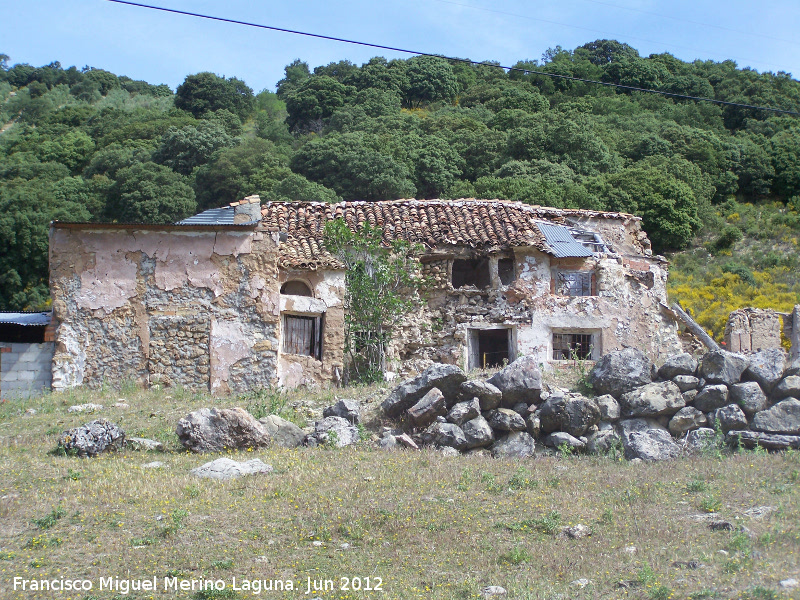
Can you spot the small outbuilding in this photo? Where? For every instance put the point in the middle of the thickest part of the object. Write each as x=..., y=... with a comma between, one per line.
x=26, y=353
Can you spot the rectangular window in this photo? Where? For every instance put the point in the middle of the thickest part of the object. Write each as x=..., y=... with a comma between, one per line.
x=302, y=335
x=569, y=346
x=574, y=283
x=505, y=270
x=473, y=271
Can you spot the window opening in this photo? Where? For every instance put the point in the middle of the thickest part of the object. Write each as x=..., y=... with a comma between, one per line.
x=472, y=271
x=489, y=348
x=505, y=271
x=295, y=288
x=574, y=283
x=302, y=335
x=568, y=346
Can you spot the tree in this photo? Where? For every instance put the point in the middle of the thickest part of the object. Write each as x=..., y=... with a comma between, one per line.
x=150, y=193
x=430, y=79
x=296, y=73
x=296, y=187
x=184, y=149
x=381, y=285
x=206, y=91
x=314, y=100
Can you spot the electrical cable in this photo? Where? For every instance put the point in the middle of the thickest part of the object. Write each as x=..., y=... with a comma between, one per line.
x=462, y=60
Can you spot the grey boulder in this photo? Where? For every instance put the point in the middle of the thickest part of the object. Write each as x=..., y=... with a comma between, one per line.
x=789, y=387
x=721, y=366
x=650, y=445
x=679, y=364
x=487, y=394
x=337, y=431
x=711, y=397
x=347, y=409
x=602, y=442
x=144, y=444
x=766, y=368
x=284, y=433
x=729, y=418
x=444, y=434
x=621, y=371
x=572, y=414
x=561, y=439
x=505, y=419
x=609, y=407
x=430, y=406
x=464, y=411
x=686, y=382
x=226, y=468
x=770, y=441
x=517, y=444
x=685, y=420
x=784, y=418
x=699, y=440
x=448, y=378
x=652, y=400
x=477, y=433
x=92, y=438
x=749, y=396
x=215, y=430
x=521, y=381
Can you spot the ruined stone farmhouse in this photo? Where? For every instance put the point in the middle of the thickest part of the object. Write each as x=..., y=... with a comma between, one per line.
x=246, y=295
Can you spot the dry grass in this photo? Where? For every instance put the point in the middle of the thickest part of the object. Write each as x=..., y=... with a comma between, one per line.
x=431, y=527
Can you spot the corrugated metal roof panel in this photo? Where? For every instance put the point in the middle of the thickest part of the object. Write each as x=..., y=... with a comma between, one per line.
x=25, y=318
x=213, y=216
x=561, y=241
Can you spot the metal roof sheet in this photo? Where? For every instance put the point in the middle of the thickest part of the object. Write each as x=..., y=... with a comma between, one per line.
x=561, y=241
x=213, y=216
x=25, y=319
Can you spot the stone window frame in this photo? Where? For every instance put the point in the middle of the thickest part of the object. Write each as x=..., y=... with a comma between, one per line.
x=560, y=335
x=307, y=324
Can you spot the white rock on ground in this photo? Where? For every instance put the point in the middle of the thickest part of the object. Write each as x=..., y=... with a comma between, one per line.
x=226, y=468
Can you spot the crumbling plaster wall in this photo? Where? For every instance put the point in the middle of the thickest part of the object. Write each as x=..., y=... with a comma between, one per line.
x=173, y=307
x=627, y=309
x=327, y=288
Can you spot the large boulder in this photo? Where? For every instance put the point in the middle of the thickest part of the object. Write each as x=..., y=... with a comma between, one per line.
x=685, y=420
x=444, y=434
x=650, y=445
x=226, y=468
x=602, y=442
x=561, y=439
x=609, y=407
x=215, y=430
x=789, y=387
x=766, y=368
x=697, y=441
x=336, y=431
x=430, y=406
x=92, y=438
x=517, y=444
x=521, y=381
x=448, y=378
x=505, y=419
x=347, y=409
x=652, y=400
x=686, y=383
x=621, y=371
x=770, y=441
x=749, y=396
x=679, y=364
x=784, y=418
x=729, y=418
x=721, y=366
x=464, y=411
x=477, y=433
x=284, y=433
x=487, y=394
x=571, y=414
x=711, y=397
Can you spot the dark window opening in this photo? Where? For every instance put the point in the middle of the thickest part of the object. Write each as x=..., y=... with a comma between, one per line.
x=303, y=336
x=572, y=346
x=490, y=348
x=21, y=334
x=574, y=283
x=505, y=271
x=295, y=288
x=473, y=271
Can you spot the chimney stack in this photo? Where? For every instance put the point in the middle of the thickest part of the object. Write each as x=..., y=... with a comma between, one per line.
x=247, y=210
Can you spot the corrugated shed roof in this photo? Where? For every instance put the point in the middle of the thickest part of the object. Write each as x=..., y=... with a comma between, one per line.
x=213, y=216
x=561, y=242
x=26, y=319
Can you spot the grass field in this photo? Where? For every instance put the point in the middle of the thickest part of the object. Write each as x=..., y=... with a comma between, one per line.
x=422, y=524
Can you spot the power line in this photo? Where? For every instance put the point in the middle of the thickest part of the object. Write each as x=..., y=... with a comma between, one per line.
x=600, y=31
x=463, y=60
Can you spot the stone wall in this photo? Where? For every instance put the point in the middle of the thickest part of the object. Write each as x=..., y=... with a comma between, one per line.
x=753, y=329
x=24, y=369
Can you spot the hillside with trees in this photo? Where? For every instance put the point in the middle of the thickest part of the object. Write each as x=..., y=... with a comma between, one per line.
x=717, y=187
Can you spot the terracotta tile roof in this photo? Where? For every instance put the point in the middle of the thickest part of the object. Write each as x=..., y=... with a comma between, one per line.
x=485, y=224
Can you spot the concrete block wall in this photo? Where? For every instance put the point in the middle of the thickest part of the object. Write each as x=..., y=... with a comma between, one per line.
x=25, y=369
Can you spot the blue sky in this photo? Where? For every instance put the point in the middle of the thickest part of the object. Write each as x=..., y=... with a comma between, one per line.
x=164, y=48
